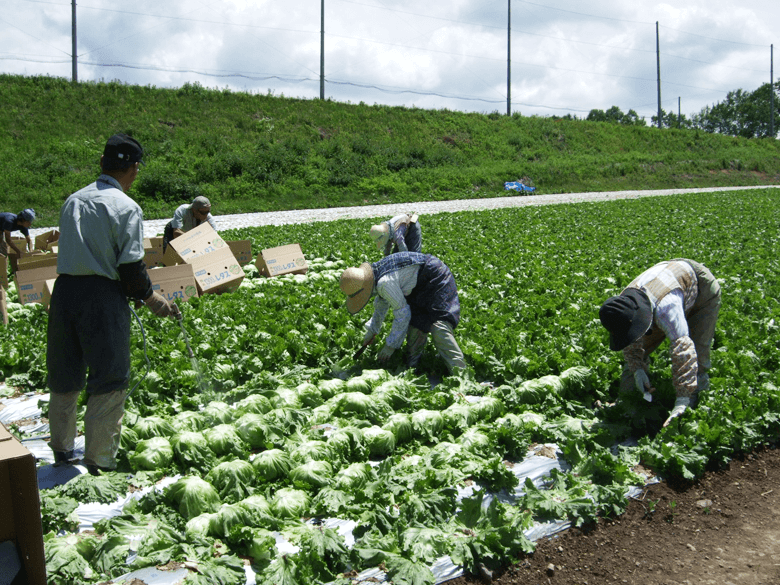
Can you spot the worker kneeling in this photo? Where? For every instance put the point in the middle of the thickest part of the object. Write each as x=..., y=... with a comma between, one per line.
x=422, y=292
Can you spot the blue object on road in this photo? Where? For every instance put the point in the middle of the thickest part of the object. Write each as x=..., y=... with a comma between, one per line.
x=517, y=186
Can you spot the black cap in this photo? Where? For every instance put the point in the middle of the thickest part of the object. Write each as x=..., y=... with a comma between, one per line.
x=121, y=152
x=627, y=317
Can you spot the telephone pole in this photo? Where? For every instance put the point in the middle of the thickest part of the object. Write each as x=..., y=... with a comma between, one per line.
x=322, y=49
x=658, y=62
x=508, y=57
x=74, y=57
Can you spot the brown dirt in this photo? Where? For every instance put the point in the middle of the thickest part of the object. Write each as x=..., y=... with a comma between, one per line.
x=723, y=529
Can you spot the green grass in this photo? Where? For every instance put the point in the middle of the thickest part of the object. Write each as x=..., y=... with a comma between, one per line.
x=252, y=153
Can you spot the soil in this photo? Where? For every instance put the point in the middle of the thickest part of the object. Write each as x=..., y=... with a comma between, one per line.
x=723, y=529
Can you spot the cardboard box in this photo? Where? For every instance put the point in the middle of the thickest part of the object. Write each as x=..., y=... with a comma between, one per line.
x=171, y=257
x=242, y=250
x=155, y=242
x=30, y=283
x=153, y=252
x=20, y=507
x=37, y=259
x=45, y=240
x=153, y=257
x=217, y=272
x=196, y=242
x=175, y=283
x=20, y=243
x=48, y=288
x=282, y=260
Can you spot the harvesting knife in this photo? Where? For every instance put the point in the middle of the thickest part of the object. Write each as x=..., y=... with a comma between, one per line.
x=363, y=347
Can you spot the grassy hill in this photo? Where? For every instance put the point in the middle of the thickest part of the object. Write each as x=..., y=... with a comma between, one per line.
x=264, y=153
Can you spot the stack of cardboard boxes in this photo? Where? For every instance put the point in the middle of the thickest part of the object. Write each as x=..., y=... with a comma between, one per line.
x=35, y=269
x=197, y=262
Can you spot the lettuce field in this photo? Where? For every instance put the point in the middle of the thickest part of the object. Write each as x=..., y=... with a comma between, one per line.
x=274, y=431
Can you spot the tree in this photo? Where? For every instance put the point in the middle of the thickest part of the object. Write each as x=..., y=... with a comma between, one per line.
x=742, y=113
x=672, y=120
x=616, y=116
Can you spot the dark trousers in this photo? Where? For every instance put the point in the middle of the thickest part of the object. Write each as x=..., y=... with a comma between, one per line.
x=167, y=235
x=88, y=335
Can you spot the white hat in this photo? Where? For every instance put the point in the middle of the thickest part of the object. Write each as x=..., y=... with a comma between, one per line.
x=379, y=234
x=357, y=284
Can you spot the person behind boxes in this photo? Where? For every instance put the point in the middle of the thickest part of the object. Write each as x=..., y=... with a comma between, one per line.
x=678, y=299
x=422, y=292
x=401, y=233
x=187, y=217
x=100, y=265
x=10, y=222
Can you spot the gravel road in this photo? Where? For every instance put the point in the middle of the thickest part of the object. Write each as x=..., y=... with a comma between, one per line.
x=153, y=227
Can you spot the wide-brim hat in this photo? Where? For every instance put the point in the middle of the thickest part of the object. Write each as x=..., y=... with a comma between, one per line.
x=357, y=284
x=379, y=234
x=627, y=317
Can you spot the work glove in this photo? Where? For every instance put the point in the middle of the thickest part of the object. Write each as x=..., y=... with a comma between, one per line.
x=385, y=353
x=680, y=405
x=643, y=385
x=159, y=306
x=368, y=337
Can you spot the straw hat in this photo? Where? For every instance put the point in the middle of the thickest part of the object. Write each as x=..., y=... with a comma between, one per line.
x=379, y=234
x=357, y=284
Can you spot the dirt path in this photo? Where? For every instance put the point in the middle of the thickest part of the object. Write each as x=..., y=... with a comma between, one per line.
x=722, y=530
x=242, y=220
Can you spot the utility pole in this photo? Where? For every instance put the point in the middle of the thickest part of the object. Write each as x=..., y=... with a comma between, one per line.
x=322, y=49
x=658, y=62
x=508, y=57
x=74, y=57
x=679, y=115
x=772, y=91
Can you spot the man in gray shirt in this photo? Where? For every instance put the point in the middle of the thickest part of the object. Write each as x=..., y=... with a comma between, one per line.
x=100, y=266
x=186, y=217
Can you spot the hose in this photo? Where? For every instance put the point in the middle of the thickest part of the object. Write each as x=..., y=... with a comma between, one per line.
x=146, y=355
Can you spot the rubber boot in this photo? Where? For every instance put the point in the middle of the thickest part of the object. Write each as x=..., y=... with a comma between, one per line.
x=63, y=458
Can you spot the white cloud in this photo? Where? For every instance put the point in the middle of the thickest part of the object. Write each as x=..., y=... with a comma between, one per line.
x=566, y=56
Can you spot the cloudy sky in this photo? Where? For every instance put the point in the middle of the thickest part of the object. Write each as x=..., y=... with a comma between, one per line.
x=566, y=56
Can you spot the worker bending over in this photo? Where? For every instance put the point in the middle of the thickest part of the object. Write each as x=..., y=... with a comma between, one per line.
x=401, y=233
x=678, y=299
x=187, y=217
x=421, y=291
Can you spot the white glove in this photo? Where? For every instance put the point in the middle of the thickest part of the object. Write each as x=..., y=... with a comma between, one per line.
x=385, y=353
x=643, y=384
x=368, y=337
x=680, y=405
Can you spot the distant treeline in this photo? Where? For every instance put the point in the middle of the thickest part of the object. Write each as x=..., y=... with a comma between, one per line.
x=743, y=113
